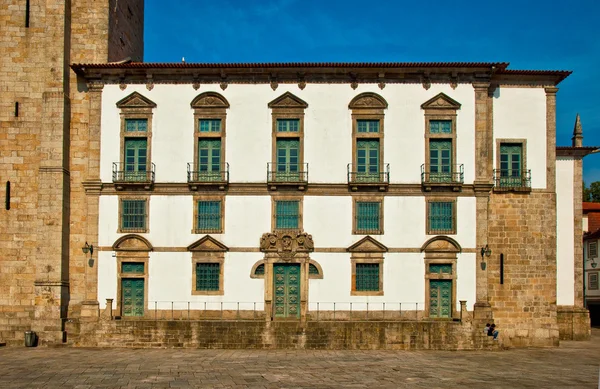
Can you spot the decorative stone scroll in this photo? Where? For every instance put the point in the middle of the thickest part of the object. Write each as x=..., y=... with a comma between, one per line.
x=286, y=244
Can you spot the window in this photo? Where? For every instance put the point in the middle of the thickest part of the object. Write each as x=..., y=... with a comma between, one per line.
x=368, y=217
x=593, y=280
x=133, y=215
x=440, y=167
x=132, y=267
x=209, y=166
x=207, y=276
x=314, y=270
x=440, y=217
x=287, y=215
x=287, y=164
x=135, y=167
x=367, y=277
x=367, y=165
x=208, y=216
x=511, y=161
x=593, y=250
x=260, y=270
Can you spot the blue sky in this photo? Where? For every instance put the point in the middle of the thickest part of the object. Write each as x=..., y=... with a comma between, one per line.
x=530, y=34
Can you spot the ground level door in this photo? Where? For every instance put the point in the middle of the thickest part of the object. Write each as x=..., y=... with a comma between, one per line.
x=132, y=290
x=286, y=286
x=440, y=298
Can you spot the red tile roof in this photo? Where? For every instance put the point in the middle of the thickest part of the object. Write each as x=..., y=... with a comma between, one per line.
x=589, y=206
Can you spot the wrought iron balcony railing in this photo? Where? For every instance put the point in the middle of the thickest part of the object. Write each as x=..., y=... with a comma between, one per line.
x=356, y=175
x=131, y=174
x=291, y=173
x=512, y=179
x=452, y=177
x=201, y=174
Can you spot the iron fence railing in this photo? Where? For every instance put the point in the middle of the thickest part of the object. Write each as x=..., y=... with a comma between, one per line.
x=455, y=175
x=356, y=175
x=512, y=179
x=123, y=172
x=201, y=174
x=287, y=172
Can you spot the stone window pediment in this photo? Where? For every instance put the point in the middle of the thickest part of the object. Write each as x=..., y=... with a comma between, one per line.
x=288, y=100
x=132, y=242
x=368, y=100
x=207, y=244
x=367, y=245
x=441, y=101
x=136, y=100
x=209, y=100
x=441, y=244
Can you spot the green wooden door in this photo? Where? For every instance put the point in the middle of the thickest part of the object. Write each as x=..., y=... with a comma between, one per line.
x=367, y=161
x=209, y=160
x=136, y=159
x=511, y=155
x=286, y=285
x=440, y=298
x=132, y=290
x=288, y=162
x=440, y=160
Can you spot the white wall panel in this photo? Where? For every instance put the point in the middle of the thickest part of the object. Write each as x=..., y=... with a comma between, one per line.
x=565, y=234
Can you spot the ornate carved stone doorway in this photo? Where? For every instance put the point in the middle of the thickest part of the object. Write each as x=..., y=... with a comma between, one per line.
x=286, y=273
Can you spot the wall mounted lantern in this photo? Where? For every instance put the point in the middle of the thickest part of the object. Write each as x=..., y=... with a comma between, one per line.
x=485, y=251
x=89, y=248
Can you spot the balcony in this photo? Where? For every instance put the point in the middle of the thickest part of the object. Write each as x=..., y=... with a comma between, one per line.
x=129, y=176
x=368, y=179
x=453, y=179
x=288, y=174
x=204, y=178
x=512, y=180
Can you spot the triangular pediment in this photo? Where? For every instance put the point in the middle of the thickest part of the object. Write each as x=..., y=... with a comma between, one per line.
x=441, y=101
x=367, y=245
x=288, y=100
x=207, y=243
x=132, y=242
x=442, y=244
x=368, y=100
x=210, y=100
x=136, y=100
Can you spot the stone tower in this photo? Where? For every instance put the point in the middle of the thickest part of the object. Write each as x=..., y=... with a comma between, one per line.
x=44, y=150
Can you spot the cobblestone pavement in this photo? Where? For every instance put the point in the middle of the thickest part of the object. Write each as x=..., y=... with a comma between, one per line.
x=572, y=365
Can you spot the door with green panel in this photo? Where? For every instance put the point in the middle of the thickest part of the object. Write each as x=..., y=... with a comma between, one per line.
x=286, y=290
x=132, y=290
x=511, y=156
x=440, y=298
x=288, y=160
x=136, y=159
x=367, y=161
x=209, y=160
x=440, y=160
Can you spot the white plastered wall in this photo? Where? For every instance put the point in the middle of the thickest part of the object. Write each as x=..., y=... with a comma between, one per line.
x=565, y=235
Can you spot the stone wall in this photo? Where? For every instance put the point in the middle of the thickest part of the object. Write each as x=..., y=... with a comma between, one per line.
x=392, y=335
x=126, y=30
x=573, y=323
x=522, y=227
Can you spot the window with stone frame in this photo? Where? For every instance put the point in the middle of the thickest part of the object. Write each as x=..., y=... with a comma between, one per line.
x=133, y=215
x=593, y=250
x=441, y=217
x=208, y=259
x=511, y=171
x=366, y=259
x=208, y=276
x=593, y=280
x=368, y=216
x=287, y=214
x=208, y=216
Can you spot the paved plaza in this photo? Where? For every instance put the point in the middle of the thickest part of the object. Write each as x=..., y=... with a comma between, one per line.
x=573, y=365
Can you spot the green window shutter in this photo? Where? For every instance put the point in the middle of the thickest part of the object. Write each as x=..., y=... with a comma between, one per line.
x=287, y=214
x=209, y=159
x=260, y=270
x=288, y=125
x=440, y=126
x=367, y=277
x=207, y=276
x=441, y=220
x=367, y=125
x=440, y=160
x=136, y=125
x=209, y=216
x=133, y=214
x=511, y=156
x=132, y=267
x=440, y=268
x=288, y=162
x=367, y=160
x=136, y=158
x=368, y=217
x=210, y=125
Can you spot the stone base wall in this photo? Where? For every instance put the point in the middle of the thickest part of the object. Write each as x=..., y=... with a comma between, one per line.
x=573, y=323
x=14, y=321
x=240, y=334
